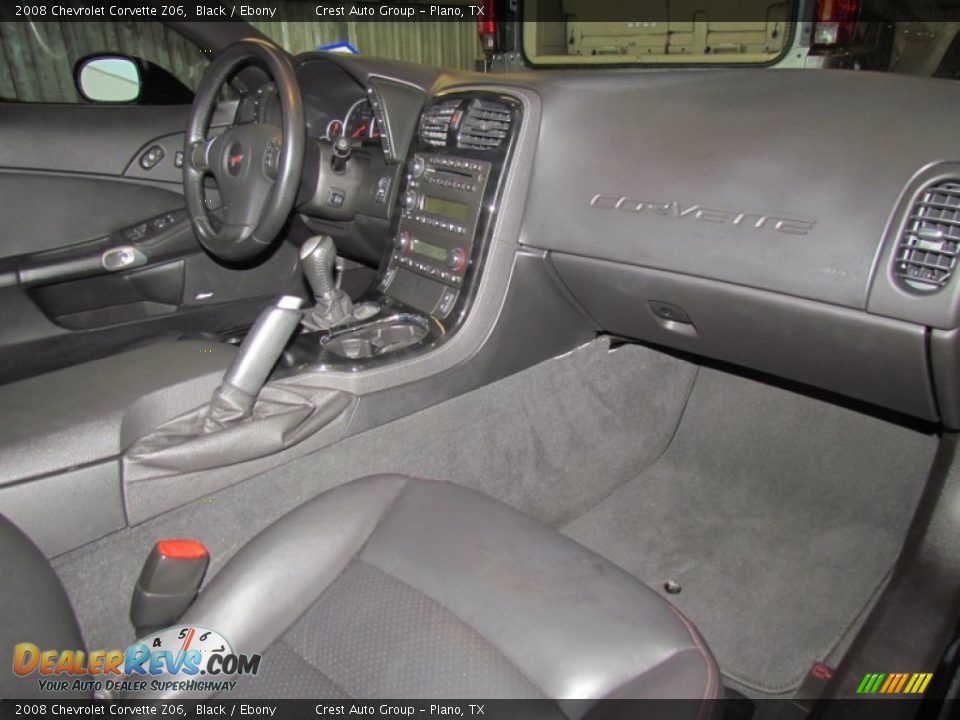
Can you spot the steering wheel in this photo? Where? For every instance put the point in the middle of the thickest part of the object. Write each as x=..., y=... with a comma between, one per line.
x=257, y=167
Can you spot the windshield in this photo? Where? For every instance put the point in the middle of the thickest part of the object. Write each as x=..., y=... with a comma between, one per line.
x=598, y=32
x=903, y=36
x=880, y=35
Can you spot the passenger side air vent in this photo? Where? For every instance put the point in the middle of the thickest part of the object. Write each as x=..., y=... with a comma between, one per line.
x=485, y=125
x=435, y=123
x=928, y=248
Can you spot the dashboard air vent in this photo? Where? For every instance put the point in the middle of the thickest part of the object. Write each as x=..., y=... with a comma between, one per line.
x=928, y=248
x=435, y=122
x=485, y=125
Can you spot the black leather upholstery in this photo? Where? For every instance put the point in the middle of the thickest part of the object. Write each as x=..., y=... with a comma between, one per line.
x=34, y=608
x=396, y=587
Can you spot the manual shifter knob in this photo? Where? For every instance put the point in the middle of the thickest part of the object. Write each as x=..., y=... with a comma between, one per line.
x=333, y=306
x=319, y=257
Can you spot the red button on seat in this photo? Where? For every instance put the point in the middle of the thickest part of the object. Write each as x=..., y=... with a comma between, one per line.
x=182, y=549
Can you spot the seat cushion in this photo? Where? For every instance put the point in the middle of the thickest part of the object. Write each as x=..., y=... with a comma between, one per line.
x=34, y=608
x=391, y=586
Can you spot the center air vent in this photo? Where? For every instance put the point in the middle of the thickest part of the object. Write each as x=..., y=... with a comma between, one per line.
x=435, y=122
x=485, y=125
x=928, y=248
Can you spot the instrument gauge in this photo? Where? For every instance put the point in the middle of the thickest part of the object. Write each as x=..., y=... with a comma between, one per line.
x=334, y=128
x=360, y=123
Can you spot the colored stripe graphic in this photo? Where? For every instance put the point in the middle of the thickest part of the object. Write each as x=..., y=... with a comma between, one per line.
x=870, y=683
x=903, y=681
x=892, y=680
x=894, y=683
x=918, y=683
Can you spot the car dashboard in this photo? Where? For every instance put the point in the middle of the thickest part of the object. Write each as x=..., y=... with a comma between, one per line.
x=788, y=222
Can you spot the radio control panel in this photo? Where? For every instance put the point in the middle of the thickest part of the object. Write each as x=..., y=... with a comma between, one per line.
x=441, y=229
x=440, y=210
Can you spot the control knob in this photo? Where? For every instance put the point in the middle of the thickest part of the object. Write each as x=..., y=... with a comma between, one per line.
x=456, y=259
x=402, y=241
x=417, y=166
x=409, y=200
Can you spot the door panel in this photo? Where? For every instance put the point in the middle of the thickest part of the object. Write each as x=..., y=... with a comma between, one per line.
x=43, y=211
x=95, y=139
x=73, y=194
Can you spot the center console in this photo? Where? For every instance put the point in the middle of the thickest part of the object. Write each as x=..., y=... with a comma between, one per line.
x=437, y=231
x=447, y=204
x=440, y=233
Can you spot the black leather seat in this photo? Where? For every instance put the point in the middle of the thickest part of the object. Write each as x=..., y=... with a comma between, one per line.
x=396, y=587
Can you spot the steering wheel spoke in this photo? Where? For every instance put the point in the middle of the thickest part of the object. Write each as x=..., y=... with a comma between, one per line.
x=245, y=202
x=200, y=154
x=218, y=217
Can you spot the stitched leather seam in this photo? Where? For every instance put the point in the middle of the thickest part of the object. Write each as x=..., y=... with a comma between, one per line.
x=710, y=692
x=386, y=511
x=432, y=599
x=356, y=556
x=279, y=636
x=652, y=668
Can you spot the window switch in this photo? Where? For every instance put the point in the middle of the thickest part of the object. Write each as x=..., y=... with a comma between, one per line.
x=151, y=157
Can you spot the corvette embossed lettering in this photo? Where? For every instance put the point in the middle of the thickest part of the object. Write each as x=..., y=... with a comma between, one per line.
x=755, y=220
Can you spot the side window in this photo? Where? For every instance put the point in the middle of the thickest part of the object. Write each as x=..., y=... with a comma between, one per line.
x=37, y=59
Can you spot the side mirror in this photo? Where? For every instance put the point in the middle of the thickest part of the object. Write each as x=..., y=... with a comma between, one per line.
x=108, y=79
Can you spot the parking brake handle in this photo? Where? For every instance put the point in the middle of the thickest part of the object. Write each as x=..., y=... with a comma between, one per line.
x=261, y=349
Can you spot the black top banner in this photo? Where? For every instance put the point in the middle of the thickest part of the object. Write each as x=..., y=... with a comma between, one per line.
x=258, y=10
x=626, y=11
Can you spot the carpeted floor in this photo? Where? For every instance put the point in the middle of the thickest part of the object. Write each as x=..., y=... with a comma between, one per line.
x=778, y=514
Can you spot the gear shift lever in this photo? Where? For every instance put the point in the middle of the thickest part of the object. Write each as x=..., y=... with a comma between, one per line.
x=333, y=306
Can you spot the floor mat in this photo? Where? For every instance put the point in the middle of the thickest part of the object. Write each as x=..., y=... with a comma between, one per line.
x=778, y=515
